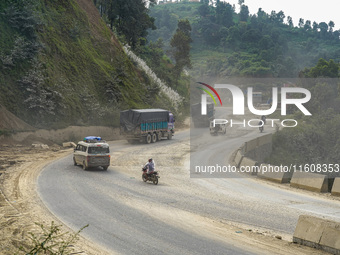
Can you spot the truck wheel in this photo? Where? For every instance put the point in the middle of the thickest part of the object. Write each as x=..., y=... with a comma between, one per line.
x=159, y=136
x=148, y=139
x=154, y=138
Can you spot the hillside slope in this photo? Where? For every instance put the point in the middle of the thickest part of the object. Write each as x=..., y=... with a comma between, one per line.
x=9, y=121
x=61, y=65
x=227, y=43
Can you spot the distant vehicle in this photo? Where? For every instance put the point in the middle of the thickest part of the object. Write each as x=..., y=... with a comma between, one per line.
x=261, y=128
x=147, y=125
x=218, y=128
x=92, y=152
x=200, y=120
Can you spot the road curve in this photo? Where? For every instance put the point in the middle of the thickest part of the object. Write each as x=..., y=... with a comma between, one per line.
x=181, y=215
x=126, y=215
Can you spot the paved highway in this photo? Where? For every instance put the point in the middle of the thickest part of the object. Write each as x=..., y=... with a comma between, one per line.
x=181, y=215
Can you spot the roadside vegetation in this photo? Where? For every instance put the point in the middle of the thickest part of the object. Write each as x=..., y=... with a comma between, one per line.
x=131, y=21
x=51, y=240
x=230, y=43
x=316, y=139
x=61, y=65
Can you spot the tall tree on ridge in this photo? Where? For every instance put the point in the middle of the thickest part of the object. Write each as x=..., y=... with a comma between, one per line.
x=180, y=42
x=129, y=17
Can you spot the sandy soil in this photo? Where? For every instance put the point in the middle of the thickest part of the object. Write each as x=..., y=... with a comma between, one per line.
x=20, y=206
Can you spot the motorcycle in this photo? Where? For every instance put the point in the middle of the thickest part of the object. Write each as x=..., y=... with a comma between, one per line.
x=152, y=177
x=261, y=124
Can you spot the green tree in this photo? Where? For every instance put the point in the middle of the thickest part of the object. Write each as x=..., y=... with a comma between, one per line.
x=290, y=21
x=129, y=17
x=331, y=26
x=208, y=32
x=203, y=10
x=180, y=42
x=301, y=22
x=307, y=25
x=244, y=13
x=323, y=29
x=224, y=14
x=280, y=16
x=261, y=14
x=323, y=68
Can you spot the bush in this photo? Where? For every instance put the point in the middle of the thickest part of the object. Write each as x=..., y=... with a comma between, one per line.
x=52, y=241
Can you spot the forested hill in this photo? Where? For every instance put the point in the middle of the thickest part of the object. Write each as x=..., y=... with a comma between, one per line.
x=61, y=65
x=227, y=43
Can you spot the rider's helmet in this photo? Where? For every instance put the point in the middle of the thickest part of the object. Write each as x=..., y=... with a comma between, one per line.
x=150, y=159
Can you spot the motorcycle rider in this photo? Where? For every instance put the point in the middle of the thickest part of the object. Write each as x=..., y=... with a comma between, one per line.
x=150, y=166
x=261, y=124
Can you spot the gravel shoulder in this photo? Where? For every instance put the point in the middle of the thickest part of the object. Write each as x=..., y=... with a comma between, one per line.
x=20, y=206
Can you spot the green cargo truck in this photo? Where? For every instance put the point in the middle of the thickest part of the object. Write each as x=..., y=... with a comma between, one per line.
x=146, y=125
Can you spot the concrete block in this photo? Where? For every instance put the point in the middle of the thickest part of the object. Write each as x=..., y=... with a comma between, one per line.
x=266, y=139
x=331, y=236
x=336, y=187
x=318, y=233
x=249, y=166
x=238, y=158
x=310, y=181
x=250, y=145
x=274, y=173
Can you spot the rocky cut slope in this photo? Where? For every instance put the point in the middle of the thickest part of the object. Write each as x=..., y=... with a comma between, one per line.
x=61, y=65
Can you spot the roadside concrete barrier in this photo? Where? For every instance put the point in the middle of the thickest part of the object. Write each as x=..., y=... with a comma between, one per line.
x=238, y=158
x=318, y=233
x=259, y=148
x=252, y=152
x=265, y=139
x=310, y=181
x=274, y=173
x=251, y=145
x=249, y=166
x=336, y=188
